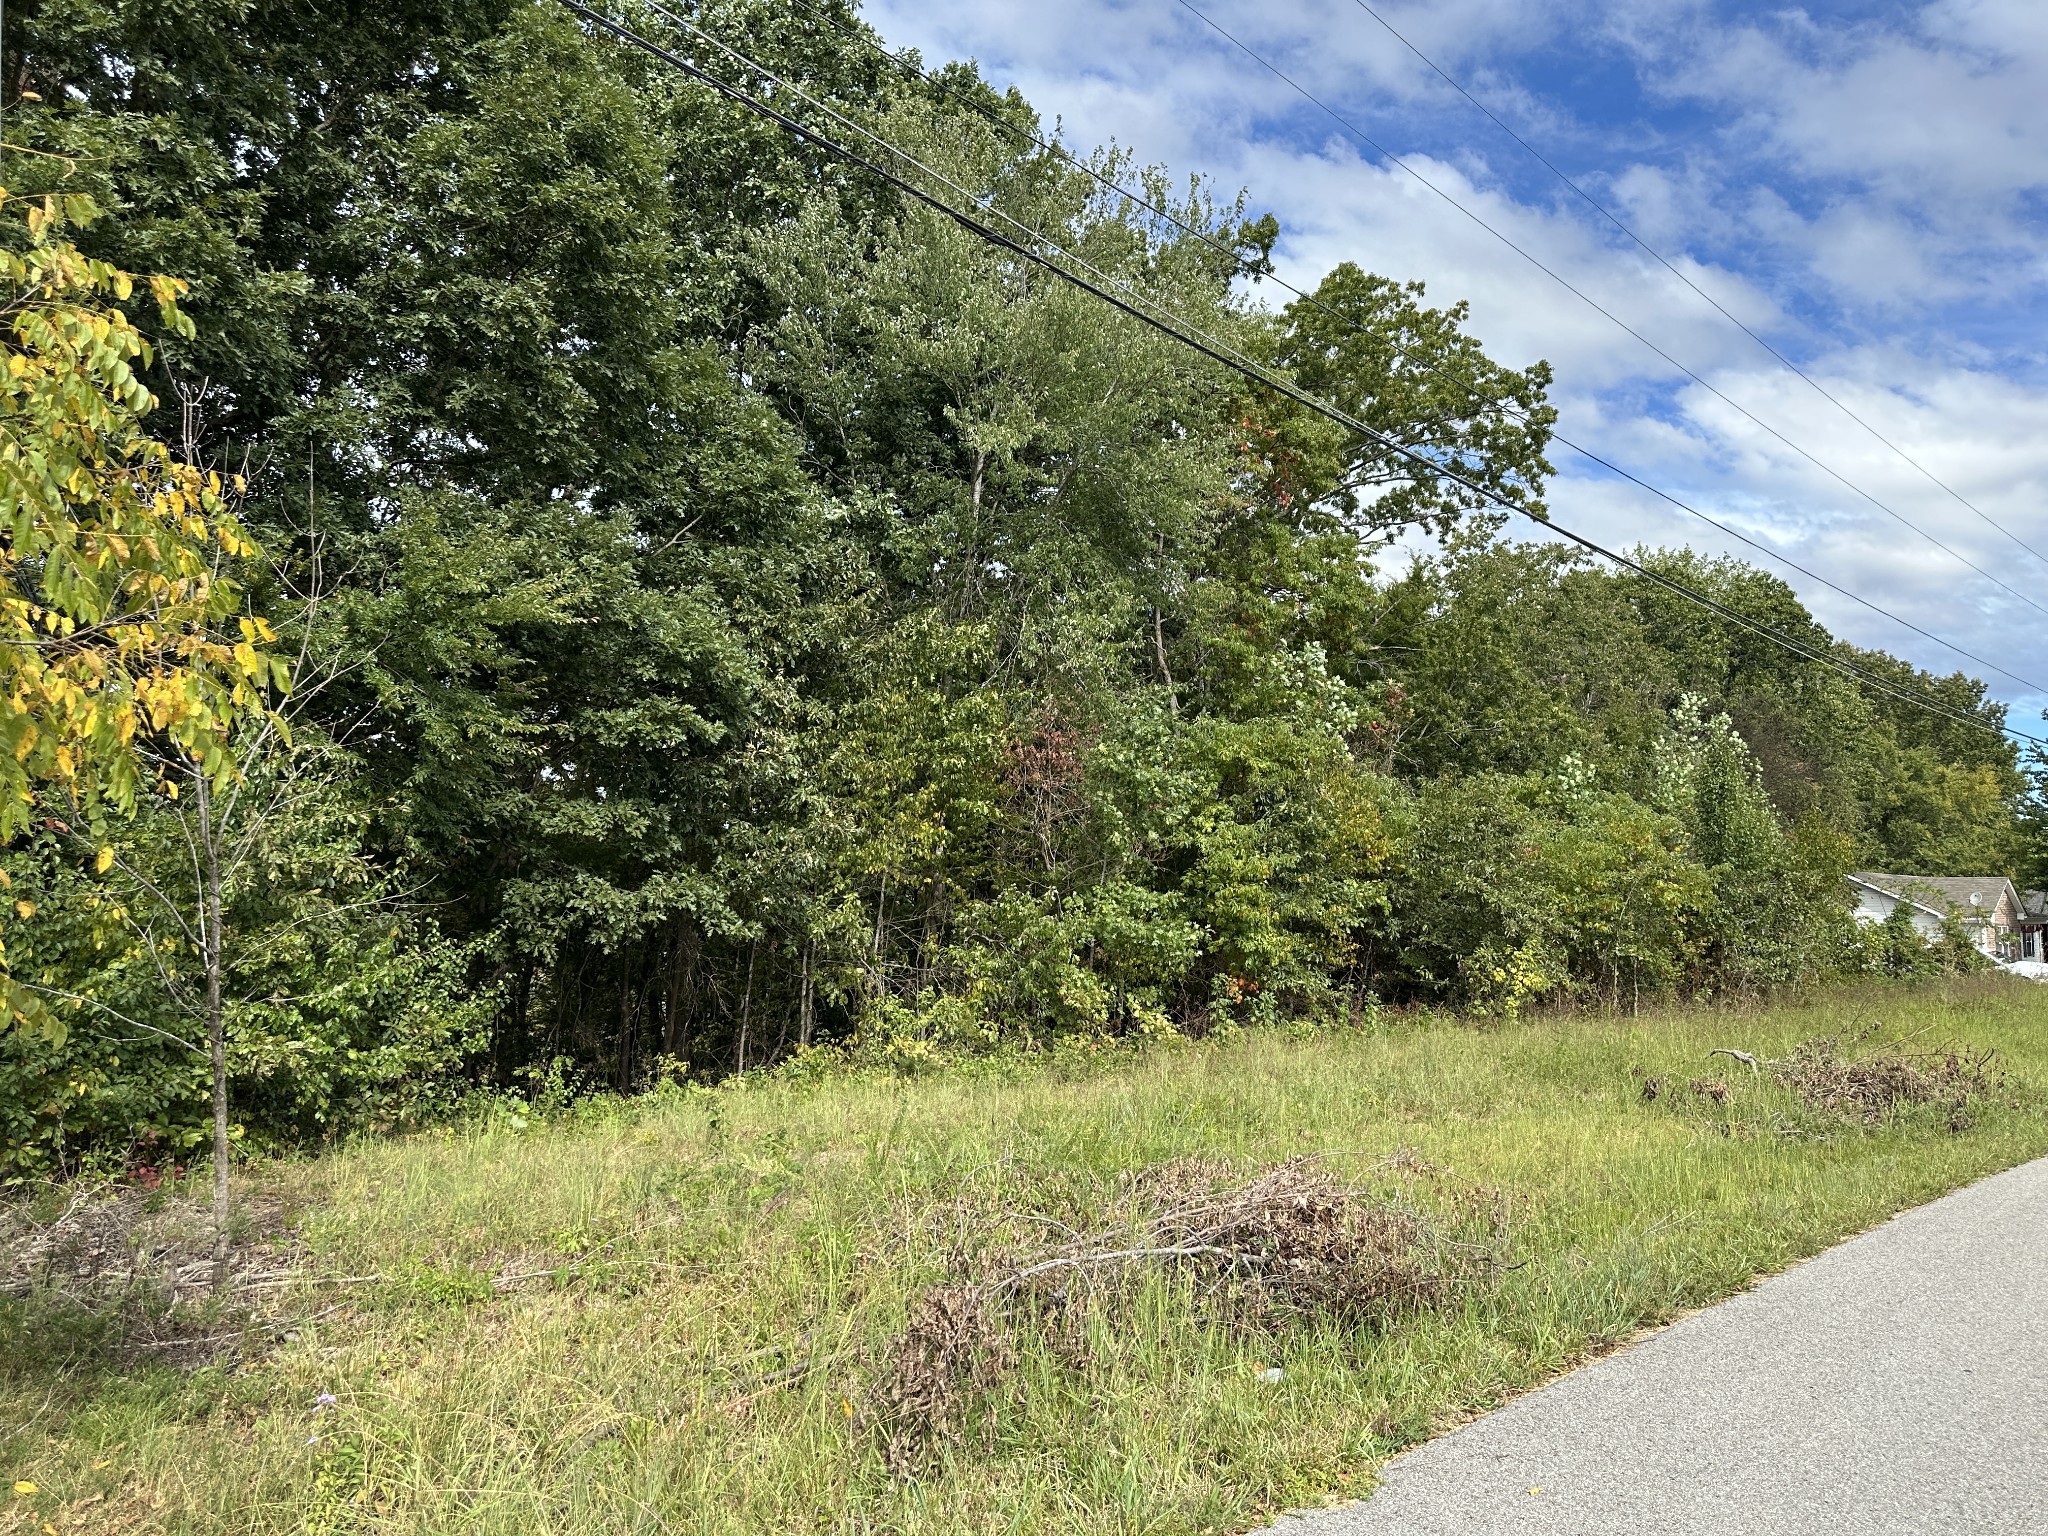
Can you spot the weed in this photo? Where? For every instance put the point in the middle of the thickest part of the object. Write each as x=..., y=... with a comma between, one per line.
x=438, y=1285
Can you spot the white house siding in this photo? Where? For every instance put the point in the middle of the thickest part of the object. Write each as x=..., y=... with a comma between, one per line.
x=1988, y=905
x=1874, y=906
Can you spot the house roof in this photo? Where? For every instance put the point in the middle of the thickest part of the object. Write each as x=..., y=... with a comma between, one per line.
x=1941, y=894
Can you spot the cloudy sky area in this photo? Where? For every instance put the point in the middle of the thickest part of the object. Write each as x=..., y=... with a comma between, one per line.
x=1863, y=184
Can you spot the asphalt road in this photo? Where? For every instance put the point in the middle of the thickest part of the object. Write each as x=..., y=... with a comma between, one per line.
x=1894, y=1385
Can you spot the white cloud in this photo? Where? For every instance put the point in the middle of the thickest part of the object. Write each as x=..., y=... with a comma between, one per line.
x=1949, y=107
x=1863, y=194
x=1921, y=142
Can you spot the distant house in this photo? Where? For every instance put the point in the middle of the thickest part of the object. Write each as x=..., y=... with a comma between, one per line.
x=1992, y=911
x=2034, y=925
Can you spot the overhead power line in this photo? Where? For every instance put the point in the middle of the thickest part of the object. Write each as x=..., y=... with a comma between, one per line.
x=1169, y=324
x=1140, y=199
x=1594, y=304
x=1180, y=329
x=1658, y=256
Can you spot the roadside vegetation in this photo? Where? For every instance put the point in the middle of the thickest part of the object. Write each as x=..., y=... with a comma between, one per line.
x=720, y=608
x=843, y=1299
x=783, y=878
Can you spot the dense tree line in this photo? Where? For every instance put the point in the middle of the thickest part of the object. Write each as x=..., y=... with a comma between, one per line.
x=748, y=612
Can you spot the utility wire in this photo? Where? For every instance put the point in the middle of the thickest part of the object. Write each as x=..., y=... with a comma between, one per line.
x=1054, y=147
x=1658, y=256
x=1393, y=159
x=1217, y=351
x=1179, y=329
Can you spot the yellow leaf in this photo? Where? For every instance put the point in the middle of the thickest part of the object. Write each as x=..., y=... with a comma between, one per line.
x=105, y=861
x=25, y=910
x=24, y=1488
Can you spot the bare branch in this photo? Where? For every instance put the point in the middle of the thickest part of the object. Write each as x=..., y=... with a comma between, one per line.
x=1069, y=1261
x=156, y=894
x=115, y=1013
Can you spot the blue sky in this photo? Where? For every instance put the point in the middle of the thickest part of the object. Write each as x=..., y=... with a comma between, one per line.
x=1864, y=184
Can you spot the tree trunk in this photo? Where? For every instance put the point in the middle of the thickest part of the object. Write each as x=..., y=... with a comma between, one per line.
x=747, y=1002
x=1159, y=641
x=680, y=1001
x=806, y=999
x=216, y=1029
x=628, y=1032
x=934, y=930
x=1159, y=652
x=516, y=1049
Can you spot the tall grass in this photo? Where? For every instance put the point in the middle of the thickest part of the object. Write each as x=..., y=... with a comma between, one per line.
x=719, y=1276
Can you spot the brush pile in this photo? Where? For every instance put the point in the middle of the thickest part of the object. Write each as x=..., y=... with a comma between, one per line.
x=1294, y=1243
x=106, y=1243
x=142, y=1264
x=1289, y=1246
x=1873, y=1087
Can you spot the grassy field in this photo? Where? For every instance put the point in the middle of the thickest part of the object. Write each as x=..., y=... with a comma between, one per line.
x=678, y=1314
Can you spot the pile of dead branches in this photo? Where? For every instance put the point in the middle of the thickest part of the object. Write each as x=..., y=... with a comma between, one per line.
x=108, y=1240
x=955, y=1349
x=1290, y=1245
x=1293, y=1243
x=1876, y=1085
x=144, y=1264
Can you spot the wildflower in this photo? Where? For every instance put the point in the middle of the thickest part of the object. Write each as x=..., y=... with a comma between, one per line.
x=324, y=1400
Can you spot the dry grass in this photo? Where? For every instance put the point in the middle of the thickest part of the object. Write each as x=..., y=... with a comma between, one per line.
x=1164, y=1292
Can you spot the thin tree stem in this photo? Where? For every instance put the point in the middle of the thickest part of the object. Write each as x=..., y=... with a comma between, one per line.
x=747, y=1004
x=805, y=1000
x=216, y=1031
